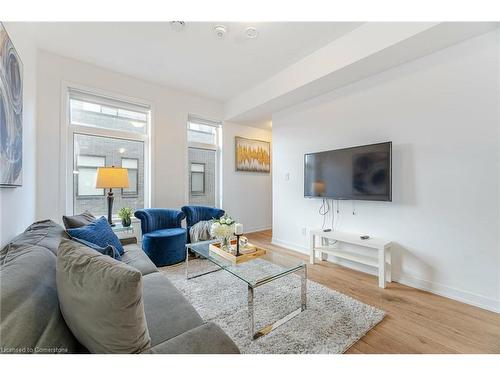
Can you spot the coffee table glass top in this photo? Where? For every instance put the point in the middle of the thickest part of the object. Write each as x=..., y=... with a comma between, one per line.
x=255, y=271
x=118, y=227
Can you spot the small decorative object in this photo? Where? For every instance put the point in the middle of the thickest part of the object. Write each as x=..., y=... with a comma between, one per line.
x=223, y=230
x=252, y=155
x=11, y=113
x=238, y=231
x=243, y=242
x=109, y=178
x=125, y=213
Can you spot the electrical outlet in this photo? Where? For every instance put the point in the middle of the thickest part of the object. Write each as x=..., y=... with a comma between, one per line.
x=304, y=231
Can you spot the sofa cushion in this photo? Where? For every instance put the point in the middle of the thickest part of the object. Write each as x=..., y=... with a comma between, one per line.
x=134, y=256
x=168, y=313
x=98, y=232
x=205, y=339
x=77, y=221
x=101, y=300
x=45, y=233
x=30, y=318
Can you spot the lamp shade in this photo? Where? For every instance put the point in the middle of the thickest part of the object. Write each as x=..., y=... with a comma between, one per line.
x=111, y=177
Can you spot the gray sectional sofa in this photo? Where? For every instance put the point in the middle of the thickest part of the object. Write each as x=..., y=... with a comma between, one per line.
x=31, y=321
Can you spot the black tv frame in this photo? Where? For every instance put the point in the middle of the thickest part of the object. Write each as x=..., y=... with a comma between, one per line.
x=353, y=198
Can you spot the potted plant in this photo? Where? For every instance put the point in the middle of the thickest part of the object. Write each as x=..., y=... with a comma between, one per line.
x=125, y=213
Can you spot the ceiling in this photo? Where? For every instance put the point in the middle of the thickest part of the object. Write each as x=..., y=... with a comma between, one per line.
x=192, y=59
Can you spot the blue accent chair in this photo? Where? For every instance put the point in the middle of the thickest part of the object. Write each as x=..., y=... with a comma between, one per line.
x=163, y=238
x=195, y=214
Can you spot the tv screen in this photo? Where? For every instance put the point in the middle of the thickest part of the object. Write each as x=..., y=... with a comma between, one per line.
x=356, y=173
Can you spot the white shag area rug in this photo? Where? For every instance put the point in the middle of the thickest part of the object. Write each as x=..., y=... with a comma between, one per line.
x=331, y=323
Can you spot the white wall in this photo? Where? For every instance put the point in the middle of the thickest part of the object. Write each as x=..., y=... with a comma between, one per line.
x=247, y=196
x=169, y=140
x=442, y=114
x=17, y=205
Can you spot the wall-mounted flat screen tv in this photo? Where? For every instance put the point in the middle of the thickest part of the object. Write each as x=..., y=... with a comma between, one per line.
x=355, y=173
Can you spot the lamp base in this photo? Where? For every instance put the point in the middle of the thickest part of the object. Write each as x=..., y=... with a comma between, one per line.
x=110, y=207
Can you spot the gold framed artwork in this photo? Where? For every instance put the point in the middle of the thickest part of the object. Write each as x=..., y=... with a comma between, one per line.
x=252, y=155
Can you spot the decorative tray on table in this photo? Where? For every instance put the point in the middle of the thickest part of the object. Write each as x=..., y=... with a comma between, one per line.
x=247, y=252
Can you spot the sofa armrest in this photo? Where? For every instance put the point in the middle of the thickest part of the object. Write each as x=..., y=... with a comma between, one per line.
x=205, y=339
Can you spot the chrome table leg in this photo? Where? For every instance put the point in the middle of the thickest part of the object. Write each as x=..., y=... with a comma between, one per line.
x=303, y=289
x=303, y=305
x=251, y=320
x=187, y=261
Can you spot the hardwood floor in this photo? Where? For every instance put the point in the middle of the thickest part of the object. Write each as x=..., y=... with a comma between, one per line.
x=416, y=321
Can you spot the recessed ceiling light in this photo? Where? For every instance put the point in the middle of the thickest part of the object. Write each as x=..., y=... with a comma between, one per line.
x=177, y=25
x=220, y=31
x=251, y=32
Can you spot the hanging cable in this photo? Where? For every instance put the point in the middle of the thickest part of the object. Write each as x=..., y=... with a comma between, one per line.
x=331, y=210
x=324, y=209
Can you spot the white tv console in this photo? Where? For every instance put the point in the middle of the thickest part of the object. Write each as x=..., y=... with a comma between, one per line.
x=383, y=248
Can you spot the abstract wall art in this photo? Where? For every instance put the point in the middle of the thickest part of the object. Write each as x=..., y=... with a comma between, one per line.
x=252, y=155
x=11, y=113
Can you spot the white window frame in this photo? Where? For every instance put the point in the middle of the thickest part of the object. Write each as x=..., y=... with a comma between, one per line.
x=78, y=168
x=206, y=146
x=67, y=142
x=136, y=192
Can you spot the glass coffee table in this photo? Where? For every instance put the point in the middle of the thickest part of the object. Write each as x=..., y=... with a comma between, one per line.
x=254, y=274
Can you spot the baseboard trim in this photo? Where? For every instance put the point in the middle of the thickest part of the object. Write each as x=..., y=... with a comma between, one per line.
x=415, y=282
x=448, y=292
x=259, y=229
x=290, y=245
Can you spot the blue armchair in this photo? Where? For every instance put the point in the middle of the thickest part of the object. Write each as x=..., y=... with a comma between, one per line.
x=163, y=239
x=195, y=214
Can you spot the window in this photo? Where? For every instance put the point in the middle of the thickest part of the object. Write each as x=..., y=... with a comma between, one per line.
x=132, y=166
x=197, y=178
x=204, y=161
x=107, y=132
x=90, y=110
x=201, y=133
x=86, y=174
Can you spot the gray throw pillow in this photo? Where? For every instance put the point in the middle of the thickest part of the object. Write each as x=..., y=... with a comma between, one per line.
x=77, y=221
x=101, y=300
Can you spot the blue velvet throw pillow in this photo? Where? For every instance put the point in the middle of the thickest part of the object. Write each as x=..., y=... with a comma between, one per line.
x=99, y=233
x=108, y=250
